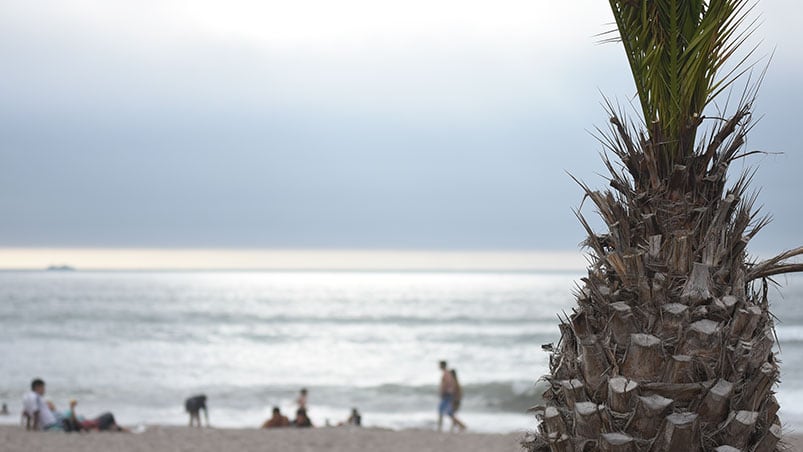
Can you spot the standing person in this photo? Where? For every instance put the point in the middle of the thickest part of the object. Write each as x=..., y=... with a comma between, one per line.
x=302, y=399
x=37, y=413
x=458, y=397
x=447, y=389
x=194, y=405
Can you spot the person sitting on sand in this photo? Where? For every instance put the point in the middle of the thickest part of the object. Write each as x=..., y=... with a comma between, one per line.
x=103, y=423
x=355, y=419
x=194, y=405
x=36, y=412
x=458, y=397
x=66, y=421
x=276, y=420
x=301, y=419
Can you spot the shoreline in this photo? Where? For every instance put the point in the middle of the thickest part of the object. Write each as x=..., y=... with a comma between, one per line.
x=333, y=439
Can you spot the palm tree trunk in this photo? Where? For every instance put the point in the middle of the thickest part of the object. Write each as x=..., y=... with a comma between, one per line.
x=670, y=345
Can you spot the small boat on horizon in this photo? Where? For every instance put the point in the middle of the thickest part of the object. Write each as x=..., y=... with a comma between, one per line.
x=60, y=268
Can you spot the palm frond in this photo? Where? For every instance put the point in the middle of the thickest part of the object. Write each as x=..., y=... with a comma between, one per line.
x=675, y=49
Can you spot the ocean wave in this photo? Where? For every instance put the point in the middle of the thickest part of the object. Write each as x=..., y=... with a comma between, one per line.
x=789, y=333
x=499, y=396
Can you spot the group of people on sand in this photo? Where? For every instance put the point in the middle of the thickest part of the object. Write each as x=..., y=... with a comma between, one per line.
x=195, y=404
x=451, y=396
x=278, y=420
x=40, y=414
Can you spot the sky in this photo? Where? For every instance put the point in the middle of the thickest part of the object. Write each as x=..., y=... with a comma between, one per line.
x=249, y=126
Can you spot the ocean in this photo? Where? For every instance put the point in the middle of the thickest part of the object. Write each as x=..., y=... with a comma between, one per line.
x=139, y=343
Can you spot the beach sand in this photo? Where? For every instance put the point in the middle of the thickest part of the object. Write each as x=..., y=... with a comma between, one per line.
x=335, y=439
x=181, y=439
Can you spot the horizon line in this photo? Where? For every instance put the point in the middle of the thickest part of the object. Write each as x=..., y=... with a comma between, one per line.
x=265, y=259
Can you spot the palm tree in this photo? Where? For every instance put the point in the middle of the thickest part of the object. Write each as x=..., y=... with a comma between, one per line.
x=670, y=346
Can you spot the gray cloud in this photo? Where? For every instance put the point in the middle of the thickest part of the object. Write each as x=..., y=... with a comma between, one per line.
x=149, y=133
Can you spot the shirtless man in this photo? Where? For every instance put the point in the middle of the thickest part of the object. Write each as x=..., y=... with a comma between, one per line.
x=277, y=419
x=447, y=392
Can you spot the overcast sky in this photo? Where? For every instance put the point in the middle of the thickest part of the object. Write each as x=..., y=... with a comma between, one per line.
x=351, y=124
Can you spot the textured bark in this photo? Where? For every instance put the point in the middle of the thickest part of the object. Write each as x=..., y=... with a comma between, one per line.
x=770, y=439
x=740, y=426
x=650, y=413
x=593, y=362
x=701, y=339
x=587, y=421
x=698, y=286
x=553, y=422
x=681, y=434
x=622, y=394
x=715, y=404
x=673, y=317
x=756, y=389
x=680, y=369
x=744, y=322
x=617, y=442
x=670, y=345
x=573, y=391
x=562, y=443
x=622, y=323
x=644, y=357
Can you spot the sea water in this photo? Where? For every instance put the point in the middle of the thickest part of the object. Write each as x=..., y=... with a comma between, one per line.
x=139, y=343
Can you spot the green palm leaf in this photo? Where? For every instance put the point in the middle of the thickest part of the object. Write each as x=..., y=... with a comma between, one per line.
x=675, y=49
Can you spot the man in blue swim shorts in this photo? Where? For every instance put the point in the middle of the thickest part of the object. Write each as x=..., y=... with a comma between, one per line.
x=447, y=390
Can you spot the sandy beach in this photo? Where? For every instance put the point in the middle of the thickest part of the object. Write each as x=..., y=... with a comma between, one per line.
x=180, y=439
x=335, y=439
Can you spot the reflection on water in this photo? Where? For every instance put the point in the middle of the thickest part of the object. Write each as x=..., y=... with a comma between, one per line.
x=138, y=343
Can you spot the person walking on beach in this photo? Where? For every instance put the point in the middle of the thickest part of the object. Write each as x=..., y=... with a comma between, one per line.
x=457, y=399
x=447, y=391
